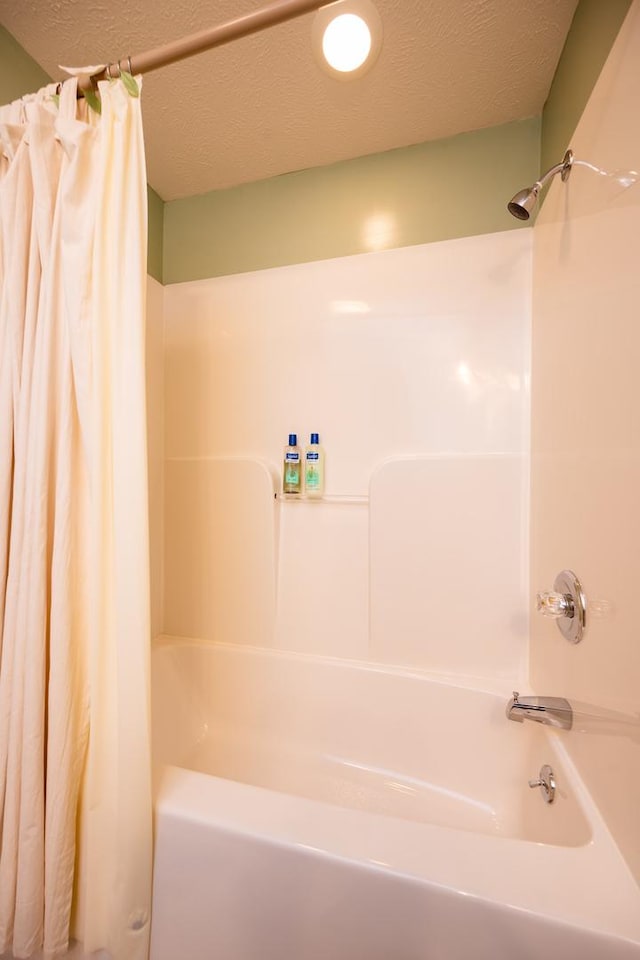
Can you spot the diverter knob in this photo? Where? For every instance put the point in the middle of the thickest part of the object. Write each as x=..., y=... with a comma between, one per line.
x=547, y=783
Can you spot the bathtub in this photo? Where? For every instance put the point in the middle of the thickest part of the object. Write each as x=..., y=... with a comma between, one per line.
x=317, y=809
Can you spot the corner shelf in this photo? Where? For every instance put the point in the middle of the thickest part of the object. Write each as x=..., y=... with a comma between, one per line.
x=325, y=498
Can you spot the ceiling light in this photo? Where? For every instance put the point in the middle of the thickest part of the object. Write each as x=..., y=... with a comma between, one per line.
x=347, y=36
x=346, y=42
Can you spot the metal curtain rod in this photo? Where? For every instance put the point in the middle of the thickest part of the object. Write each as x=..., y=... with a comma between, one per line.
x=278, y=12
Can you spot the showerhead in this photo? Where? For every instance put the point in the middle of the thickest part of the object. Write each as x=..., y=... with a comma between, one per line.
x=522, y=205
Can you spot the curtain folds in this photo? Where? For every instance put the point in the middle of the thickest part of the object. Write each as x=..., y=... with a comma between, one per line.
x=75, y=805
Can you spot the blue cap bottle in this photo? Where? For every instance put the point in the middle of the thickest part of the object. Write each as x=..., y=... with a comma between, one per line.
x=292, y=472
x=314, y=468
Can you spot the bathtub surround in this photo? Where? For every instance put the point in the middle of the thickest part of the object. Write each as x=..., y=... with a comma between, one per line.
x=75, y=791
x=418, y=381
x=220, y=549
x=446, y=539
x=585, y=441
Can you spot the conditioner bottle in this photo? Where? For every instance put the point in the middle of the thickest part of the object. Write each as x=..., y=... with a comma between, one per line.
x=314, y=468
x=291, y=473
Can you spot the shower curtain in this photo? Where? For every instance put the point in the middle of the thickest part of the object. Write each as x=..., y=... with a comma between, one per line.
x=75, y=807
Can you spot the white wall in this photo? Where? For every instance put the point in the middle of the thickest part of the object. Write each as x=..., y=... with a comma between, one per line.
x=416, y=356
x=586, y=431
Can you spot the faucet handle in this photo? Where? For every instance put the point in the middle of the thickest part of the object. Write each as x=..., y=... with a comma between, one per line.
x=566, y=604
x=555, y=605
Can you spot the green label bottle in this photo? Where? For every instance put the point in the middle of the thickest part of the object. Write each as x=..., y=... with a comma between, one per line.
x=291, y=473
x=314, y=468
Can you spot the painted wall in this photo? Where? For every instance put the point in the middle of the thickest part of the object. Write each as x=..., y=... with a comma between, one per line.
x=428, y=192
x=586, y=433
x=418, y=386
x=155, y=234
x=19, y=73
x=594, y=28
x=439, y=190
x=433, y=191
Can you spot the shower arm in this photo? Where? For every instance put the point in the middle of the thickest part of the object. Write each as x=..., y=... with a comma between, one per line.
x=563, y=168
x=195, y=43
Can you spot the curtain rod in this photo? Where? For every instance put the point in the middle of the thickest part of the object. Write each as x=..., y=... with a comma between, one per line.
x=278, y=12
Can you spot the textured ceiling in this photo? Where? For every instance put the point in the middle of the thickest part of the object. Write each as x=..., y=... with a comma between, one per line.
x=261, y=106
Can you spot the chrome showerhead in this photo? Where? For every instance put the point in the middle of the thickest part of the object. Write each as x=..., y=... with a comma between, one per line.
x=523, y=203
x=521, y=206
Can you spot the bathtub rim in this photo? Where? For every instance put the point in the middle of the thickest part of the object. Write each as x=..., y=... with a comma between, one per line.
x=500, y=687
x=490, y=685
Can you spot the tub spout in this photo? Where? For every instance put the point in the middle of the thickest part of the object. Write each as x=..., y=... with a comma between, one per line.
x=553, y=711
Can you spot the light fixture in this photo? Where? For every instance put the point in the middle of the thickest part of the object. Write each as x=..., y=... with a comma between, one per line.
x=347, y=36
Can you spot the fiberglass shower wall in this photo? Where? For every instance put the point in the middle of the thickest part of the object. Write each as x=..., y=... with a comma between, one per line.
x=586, y=432
x=412, y=364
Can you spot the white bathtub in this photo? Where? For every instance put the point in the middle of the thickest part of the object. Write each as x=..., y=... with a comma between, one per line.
x=309, y=809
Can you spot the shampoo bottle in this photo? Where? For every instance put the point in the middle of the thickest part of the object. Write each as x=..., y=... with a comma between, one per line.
x=314, y=468
x=291, y=474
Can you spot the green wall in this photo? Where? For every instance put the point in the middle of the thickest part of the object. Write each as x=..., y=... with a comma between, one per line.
x=20, y=74
x=155, y=232
x=595, y=27
x=432, y=191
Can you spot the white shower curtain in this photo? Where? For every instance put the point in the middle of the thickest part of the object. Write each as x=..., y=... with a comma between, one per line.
x=75, y=806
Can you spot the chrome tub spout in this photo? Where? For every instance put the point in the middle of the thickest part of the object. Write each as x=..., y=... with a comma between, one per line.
x=552, y=711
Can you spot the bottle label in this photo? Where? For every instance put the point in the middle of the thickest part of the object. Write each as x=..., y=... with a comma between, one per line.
x=311, y=455
x=312, y=478
x=292, y=475
x=292, y=457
